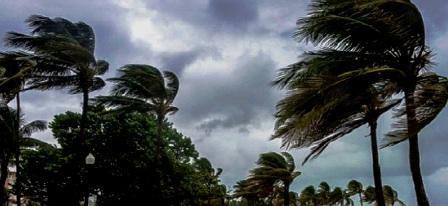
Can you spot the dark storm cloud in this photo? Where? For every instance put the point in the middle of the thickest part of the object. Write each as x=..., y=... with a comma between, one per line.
x=233, y=13
x=232, y=100
x=210, y=16
x=178, y=61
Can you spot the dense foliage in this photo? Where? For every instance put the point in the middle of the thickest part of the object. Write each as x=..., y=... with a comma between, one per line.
x=124, y=171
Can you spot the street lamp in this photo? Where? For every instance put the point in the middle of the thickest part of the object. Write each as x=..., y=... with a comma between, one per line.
x=90, y=160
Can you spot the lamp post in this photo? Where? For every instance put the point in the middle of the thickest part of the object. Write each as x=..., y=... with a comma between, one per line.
x=90, y=160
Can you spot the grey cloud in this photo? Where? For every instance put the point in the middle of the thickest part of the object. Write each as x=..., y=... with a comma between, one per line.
x=233, y=13
x=229, y=101
x=210, y=16
x=178, y=61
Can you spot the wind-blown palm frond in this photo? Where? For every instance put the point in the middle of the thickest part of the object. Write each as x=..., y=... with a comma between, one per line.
x=431, y=96
x=34, y=126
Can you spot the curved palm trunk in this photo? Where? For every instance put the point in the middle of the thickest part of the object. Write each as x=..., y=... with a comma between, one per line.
x=414, y=152
x=376, y=165
x=286, y=194
x=4, y=175
x=17, y=153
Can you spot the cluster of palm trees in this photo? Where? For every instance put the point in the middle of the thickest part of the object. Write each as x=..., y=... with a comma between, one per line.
x=270, y=180
x=324, y=195
x=59, y=54
x=370, y=57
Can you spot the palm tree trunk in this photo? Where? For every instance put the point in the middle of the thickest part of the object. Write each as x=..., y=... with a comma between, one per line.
x=360, y=199
x=4, y=175
x=17, y=153
x=286, y=193
x=414, y=152
x=376, y=165
x=85, y=108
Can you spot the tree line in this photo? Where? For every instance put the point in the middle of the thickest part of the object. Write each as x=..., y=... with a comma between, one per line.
x=140, y=156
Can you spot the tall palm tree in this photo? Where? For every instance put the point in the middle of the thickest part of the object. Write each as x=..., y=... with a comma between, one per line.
x=378, y=33
x=18, y=69
x=143, y=88
x=64, y=56
x=335, y=103
x=276, y=168
x=354, y=187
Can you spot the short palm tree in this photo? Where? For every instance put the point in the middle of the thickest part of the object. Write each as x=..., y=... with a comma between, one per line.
x=309, y=197
x=323, y=193
x=391, y=196
x=143, y=88
x=354, y=187
x=276, y=168
x=64, y=55
x=378, y=33
x=14, y=139
x=340, y=197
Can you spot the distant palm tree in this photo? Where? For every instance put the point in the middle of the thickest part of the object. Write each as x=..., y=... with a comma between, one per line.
x=143, y=88
x=308, y=196
x=323, y=193
x=276, y=168
x=64, y=56
x=379, y=33
x=338, y=196
x=354, y=187
x=391, y=196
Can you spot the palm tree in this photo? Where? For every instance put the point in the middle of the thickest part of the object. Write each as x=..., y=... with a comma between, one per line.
x=16, y=139
x=335, y=103
x=143, y=88
x=371, y=34
x=391, y=196
x=18, y=67
x=276, y=168
x=338, y=196
x=308, y=196
x=64, y=55
x=354, y=187
x=323, y=193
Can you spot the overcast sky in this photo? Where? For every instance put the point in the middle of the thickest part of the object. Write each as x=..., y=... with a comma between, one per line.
x=225, y=53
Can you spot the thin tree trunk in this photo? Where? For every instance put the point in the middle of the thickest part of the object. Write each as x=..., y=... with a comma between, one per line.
x=3, y=177
x=414, y=152
x=376, y=165
x=83, y=124
x=286, y=194
x=17, y=153
x=360, y=199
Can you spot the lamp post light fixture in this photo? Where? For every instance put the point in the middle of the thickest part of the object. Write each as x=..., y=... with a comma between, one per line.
x=90, y=160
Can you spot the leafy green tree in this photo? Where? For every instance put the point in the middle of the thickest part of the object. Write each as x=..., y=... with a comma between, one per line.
x=125, y=149
x=274, y=168
x=354, y=187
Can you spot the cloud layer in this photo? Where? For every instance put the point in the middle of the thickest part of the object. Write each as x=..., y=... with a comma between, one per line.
x=226, y=53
